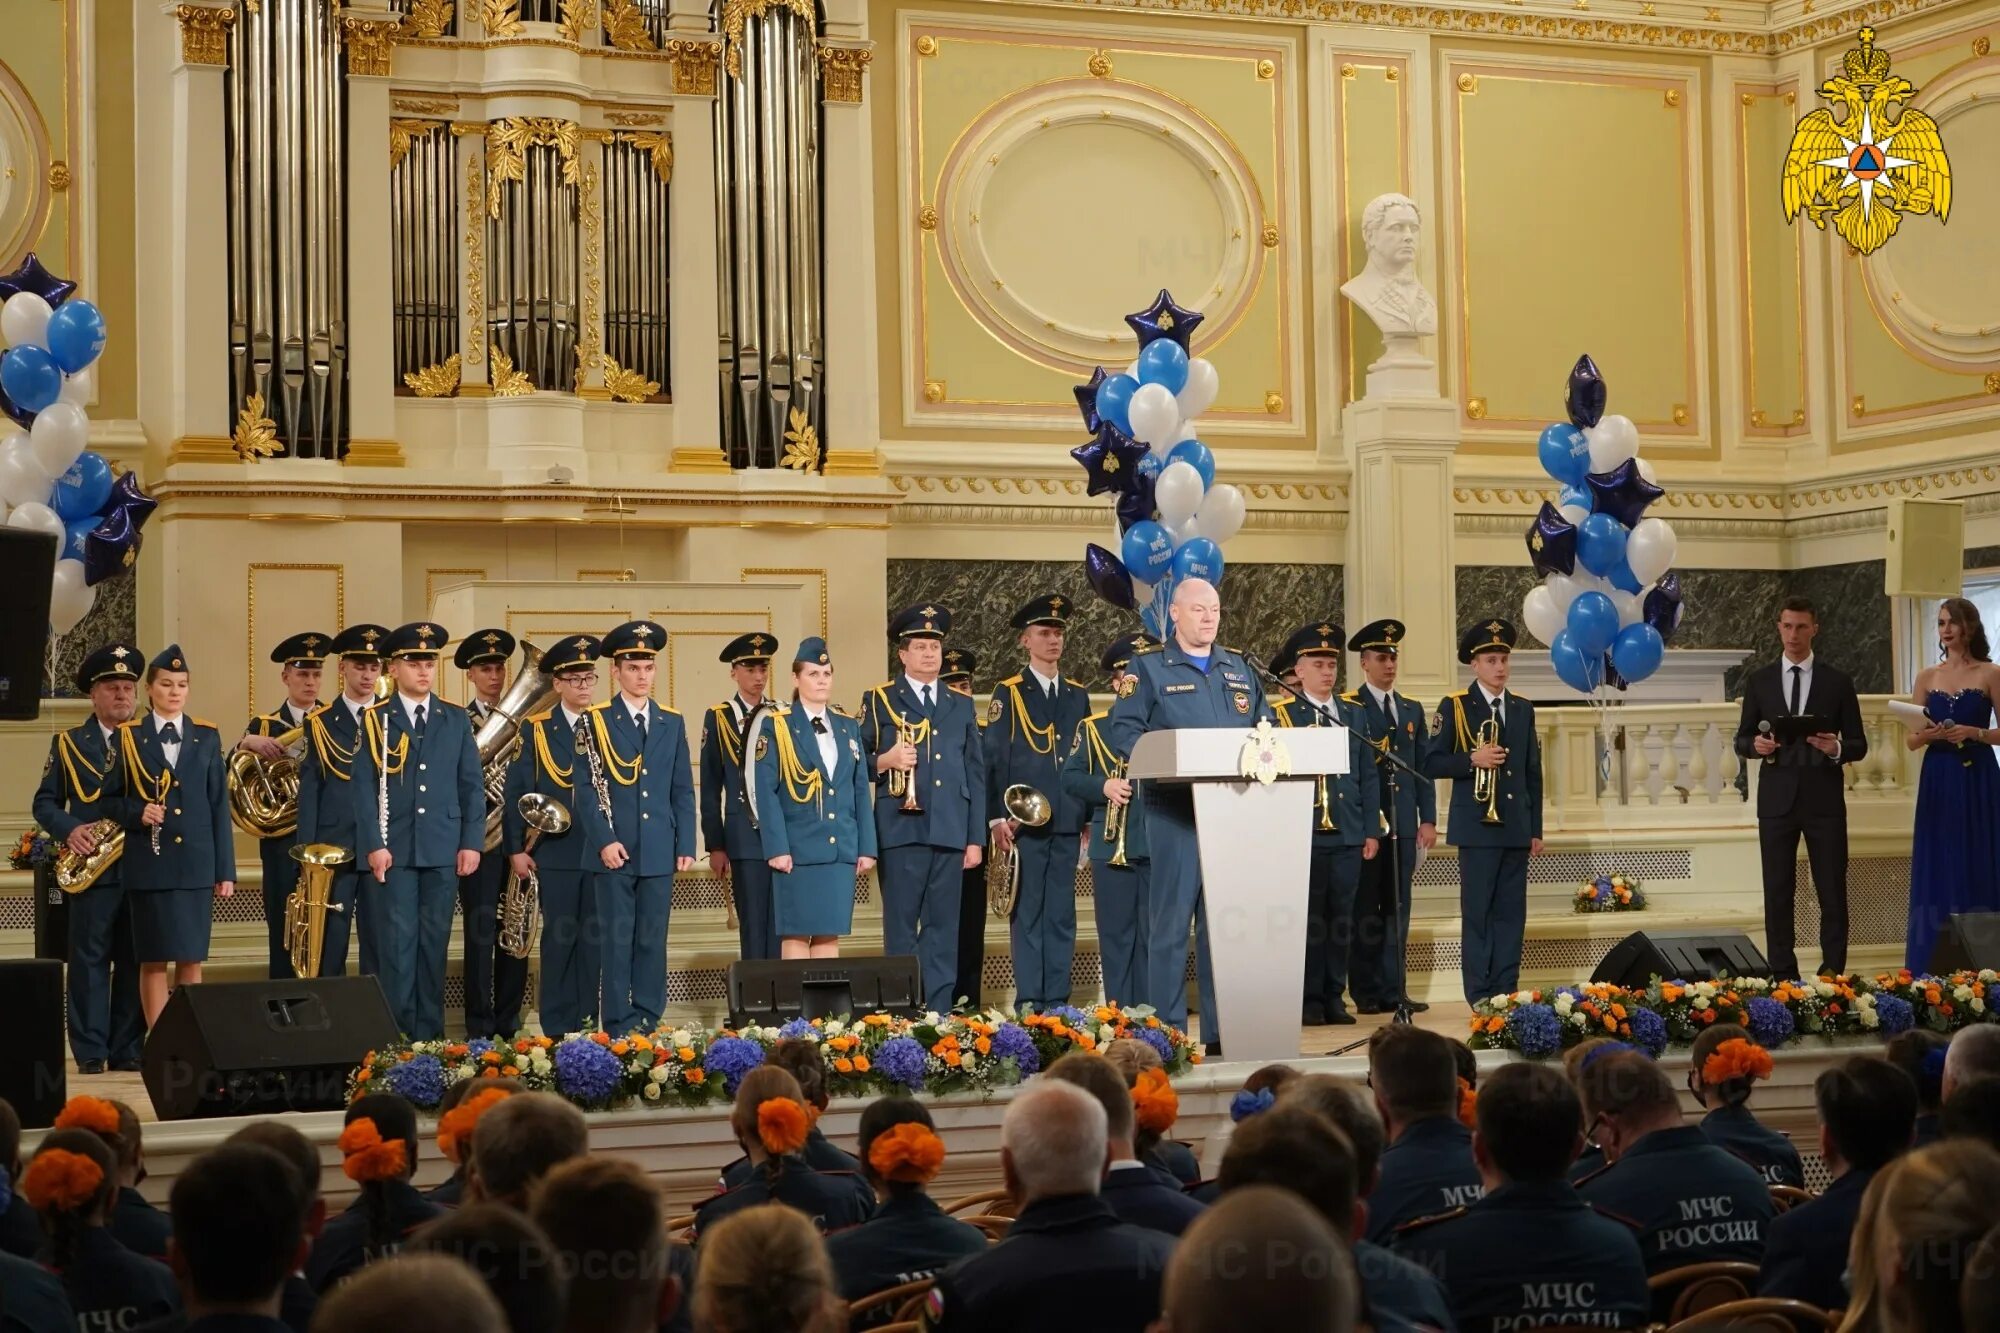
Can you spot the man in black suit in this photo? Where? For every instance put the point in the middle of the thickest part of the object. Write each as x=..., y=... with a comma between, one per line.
x=1801, y=789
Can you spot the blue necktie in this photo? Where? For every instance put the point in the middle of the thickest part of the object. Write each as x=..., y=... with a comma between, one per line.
x=170, y=734
x=419, y=728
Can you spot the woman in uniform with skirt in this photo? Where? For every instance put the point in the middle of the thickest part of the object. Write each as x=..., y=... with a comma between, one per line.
x=814, y=810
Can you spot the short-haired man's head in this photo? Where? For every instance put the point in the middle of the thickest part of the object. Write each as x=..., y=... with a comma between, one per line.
x=1413, y=1072
x=383, y=1295
x=515, y=1257
x=1799, y=606
x=1973, y=1112
x=1529, y=1122
x=1096, y=1075
x=1261, y=1257
x=1920, y=1053
x=1352, y=1112
x=608, y=1224
x=804, y=1061
x=1300, y=1150
x=1974, y=1053
x=238, y=1228
x=1052, y=1141
x=765, y=1270
x=1868, y=1108
x=1625, y=1086
x=295, y=1148
x=521, y=1140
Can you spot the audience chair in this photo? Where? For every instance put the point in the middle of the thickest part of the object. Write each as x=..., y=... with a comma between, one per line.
x=994, y=1202
x=1764, y=1313
x=1701, y=1287
x=681, y=1228
x=993, y=1224
x=1790, y=1196
x=906, y=1299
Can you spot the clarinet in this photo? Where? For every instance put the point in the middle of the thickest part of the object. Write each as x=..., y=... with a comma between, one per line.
x=588, y=745
x=382, y=784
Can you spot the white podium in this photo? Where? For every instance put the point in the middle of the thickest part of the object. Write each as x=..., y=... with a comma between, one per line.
x=1256, y=858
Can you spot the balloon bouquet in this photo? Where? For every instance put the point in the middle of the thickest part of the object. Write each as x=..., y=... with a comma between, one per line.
x=1608, y=601
x=1172, y=516
x=48, y=482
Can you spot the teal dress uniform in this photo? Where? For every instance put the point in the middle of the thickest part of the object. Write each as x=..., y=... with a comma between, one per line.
x=1693, y=1203
x=109, y=1287
x=326, y=815
x=1067, y=1263
x=813, y=805
x=959, y=664
x=34, y=1301
x=417, y=790
x=1492, y=857
x=649, y=788
x=726, y=825
x=1170, y=689
x=1427, y=1170
x=564, y=863
x=909, y=1239
x=1382, y=905
x=1532, y=1253
x=923, y=851
x=496, y=982
x=1768, y=1152
x=1118, y=892
x=281, y=872
x=105, y=1023
x=824, y=1196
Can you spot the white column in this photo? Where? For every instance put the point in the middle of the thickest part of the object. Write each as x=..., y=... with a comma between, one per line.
x=371, y=363
x=1400, y=546
x=853, y=415
x=195, y=266
x=692, y=270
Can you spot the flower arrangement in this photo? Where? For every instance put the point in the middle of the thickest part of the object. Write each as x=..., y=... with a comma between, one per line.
x=33, y=850
x=1616, y=892
x=1942, y=1004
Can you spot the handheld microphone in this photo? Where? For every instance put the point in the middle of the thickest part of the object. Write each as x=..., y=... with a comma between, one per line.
x=1764, y=726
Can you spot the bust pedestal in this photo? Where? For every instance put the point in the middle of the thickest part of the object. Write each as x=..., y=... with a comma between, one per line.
x=1400, y=542
x=1402, y=371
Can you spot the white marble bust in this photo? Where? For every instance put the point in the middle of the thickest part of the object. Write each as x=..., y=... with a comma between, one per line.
x=1387, y=290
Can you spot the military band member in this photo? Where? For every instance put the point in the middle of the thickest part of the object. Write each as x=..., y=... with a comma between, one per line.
x=959, y=664
x=735, y=852
x=1030, y=722
x=1409, y=803
x=1095, y=774
x=640, y=826
x=302, y=658
x=420, y=816
x=913, y=725
x=1190, y=681
x=1346, y=818
x=171, y=794
x=547, y=764
x=813, y=809
x=326, y=800
x=105, y=1026
x=1493, y=849
x=496, y=983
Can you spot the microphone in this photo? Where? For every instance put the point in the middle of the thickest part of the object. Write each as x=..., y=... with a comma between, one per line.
x=1764, y=726
x=1250, y=659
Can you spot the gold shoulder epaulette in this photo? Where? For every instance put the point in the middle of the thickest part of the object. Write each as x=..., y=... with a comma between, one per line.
x=1078, y=684
x=448, y=703
x=382, y=702
x=664, y=709
x=204, y=722
x=1281, y=699
x=1458, y=694
x=1014, y=679
x=319, y=708
x=836, y=708
x=782, y=710
x=1147, y=648
x=599, y=706
x=130, y=722
x=1096, y=718
x=1352, y=696
x=542, y=716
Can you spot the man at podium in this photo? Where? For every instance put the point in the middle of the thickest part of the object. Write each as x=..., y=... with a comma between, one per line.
x=1188, y=681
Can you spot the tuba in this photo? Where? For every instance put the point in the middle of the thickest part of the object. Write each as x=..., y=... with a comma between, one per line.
x=499, y=735
x=1032, y=809
x=76, y=873
x=264, y=793
x=520, y=914
x=307, y=905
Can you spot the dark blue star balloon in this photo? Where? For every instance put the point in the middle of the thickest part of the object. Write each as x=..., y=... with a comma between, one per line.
x=1107, y=576
x=1136, y=505
x=1086, y=399
x=1164, y=319
x=1552, y=542
x=1111, y=459
x=125, y=494
x=1585, y=395
x=111, y=547
x=1622, y=492
x=1663, y=605
x=1611, y=676
x=32, y=277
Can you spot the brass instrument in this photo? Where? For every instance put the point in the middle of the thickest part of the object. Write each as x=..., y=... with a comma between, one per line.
x=307, y=905
x=264, y=793
x=76, y=873
x=520, y=914
x=499, y=736
x=1115, y=817
x=1486, y=781
x=903, y=781
x=1032, y=809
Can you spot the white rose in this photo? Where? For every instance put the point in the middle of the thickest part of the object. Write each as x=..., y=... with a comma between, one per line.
x=1564, y=1004
x=637, y=1066
x=1962, y=993
x=682, y=1037
x=1699, y=1005
x=661, y=1074
x=1106, y=1032
x=1580, y=1020
x=968, y=1059
x=1825, y=989
x=933, y=1018
x=652, y=1092
x=1978, y=1005
x=834, y=1027
x=1870, y=1019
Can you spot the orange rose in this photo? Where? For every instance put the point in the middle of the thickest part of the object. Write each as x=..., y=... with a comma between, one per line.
x=695, y=1074
x=843, y=1065
x=860, y=1064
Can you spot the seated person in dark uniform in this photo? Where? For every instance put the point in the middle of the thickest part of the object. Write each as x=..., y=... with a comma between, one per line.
x=1920, y=1054
x=1204, y=1294
x=803, y=1061
x=296, y=1303
x=1172, y=1160
x=71, y=1183
x=1427, y=1167
x=910, y=1237
x=771, y=1123
x=137, y=1224
x=1296, y=1148
x=1591, y=1159
x=1722, y=1068
x=1067, y=1262
x=1867, y=1114
x=510, y=1253
x=20, y=1229
x=1132, y=1190
x=238, y=1236
x=458, y=1114
x=608, y=1227
x=517, y=1142
x=379, y=1154
x=1530, y=1251
x=34, y=1300
x=1694, y=1203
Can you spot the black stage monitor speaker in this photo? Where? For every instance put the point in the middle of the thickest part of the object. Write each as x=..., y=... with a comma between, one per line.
x=255, y=1047
x=27, y=563
x=776, y=990
x=1686, y=955
x=34, y=1078
x=1968, y=942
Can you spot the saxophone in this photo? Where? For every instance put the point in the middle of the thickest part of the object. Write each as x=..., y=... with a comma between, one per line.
x=75, y=873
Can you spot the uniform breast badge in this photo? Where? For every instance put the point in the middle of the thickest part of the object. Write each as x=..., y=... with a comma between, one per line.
x=763, y=747
x=1264, y=756
x=994, y=709
x=1242, y=702
x=1128, y=687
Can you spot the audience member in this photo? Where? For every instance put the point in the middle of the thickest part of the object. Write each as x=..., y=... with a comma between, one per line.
x=764, y=1270
x=1132, y=1190
x=1867, y=1109
x=295, y=1306
x=518, y=1141
x=31, y=1297
x=1979, y=1294
x=1530, y=1251
x=1919, y=1052
x=1067, y=1262
x=71, y=1184
x=1591, y=1159
x=1260, y=1259
x=1922, y=1218
x=1973, y=1112
x=239, y=1236
x=1171, y=1159
x=909, y=1237
x=378, y=1150
x=511, y=1255
x=1723, y=1067
x=770, y=1121
x=1974, y=1053
x=458, y=1113
x=438, y=1294
x=1427, y=1167
x=20, y=1229
x=1259, y=1093
x=137, y=1224
x=608, y=1224
x=804, y=1061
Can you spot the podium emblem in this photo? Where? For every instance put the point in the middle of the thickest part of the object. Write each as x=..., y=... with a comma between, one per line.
x=1264, y=756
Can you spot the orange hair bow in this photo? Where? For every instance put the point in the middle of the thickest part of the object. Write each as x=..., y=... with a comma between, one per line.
x=1468, y=1102
x=456, y=1125
x=1155, y=1104
x=61, y=1181
x=368, y=1157
x=91, y=1113
x=1734, y=1059
x=781, y=1126
x=908, y=1152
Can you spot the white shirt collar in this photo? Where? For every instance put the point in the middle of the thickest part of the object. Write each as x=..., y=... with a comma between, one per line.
x=1128, y=1164
x=1382, y=696
x=1326, y=703
x=354, y=706
x=410, y=706
x=1492, y=700
x=1805, y=666
x=160, y=721
x=105, y=732
x=636, y=711
x=571, y=716
x=917, y=687
x=1048, y=682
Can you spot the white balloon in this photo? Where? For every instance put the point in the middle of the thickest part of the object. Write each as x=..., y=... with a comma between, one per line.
x=24, y=321
x=1142, y=592
x=70, y=599
x=1221, y=514
x=1564, y=588
x=1188, y=430
x=60, y=434
x=1651, y=549
x=1184, y=529
x=1646, y=471
x=1630, y=610
x=1155, y=415
x=1574, y=513
x=1541, y=615
x=36, y=517
x=1201, y=387
x=1612, y=440
x=22, y=479
x=77, y=388
x=1177, y=494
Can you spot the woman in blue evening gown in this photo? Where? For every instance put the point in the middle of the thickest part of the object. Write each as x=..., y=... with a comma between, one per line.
x=1955, y=860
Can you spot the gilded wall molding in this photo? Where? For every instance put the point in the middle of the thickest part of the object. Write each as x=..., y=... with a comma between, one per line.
x=1069, y=518
x=840, y=69
x=370, y=45
x=694, y=67
x=205, y=32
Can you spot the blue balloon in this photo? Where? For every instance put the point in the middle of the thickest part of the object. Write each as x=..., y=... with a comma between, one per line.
x=1114, y=401
x=1638, y=651
x=1565, y=454
x=75, y=335
x=1150, y=465
x=1163, y=362
x=1148, y=551
x=1622, y=577
x=1198, y=558
x=1593, y=622
x=1150, y=618
x=1196, y=455
x=31, y=377
x=75, y=530
x=82, y=491
x=1600, y=544
x=1574, y=667
x=1575, y=495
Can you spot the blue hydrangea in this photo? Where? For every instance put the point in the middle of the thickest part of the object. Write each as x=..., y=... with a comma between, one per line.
x=478, y=1047
x=798, y=1028
x=1769, y=1022
x=587, y=1072
x=1073, y=1017
x=1649, y=1032
x=901, y=1060
x=1536, y=1029
x=1897, y=1016
x=732, y=1057
x=1012, y=1042
x=419, y=1081
x=1993, y=997
x=1156, y=1039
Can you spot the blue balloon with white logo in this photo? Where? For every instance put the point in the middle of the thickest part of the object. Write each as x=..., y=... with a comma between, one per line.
x=1600, y=544
x=1114, y=401
x=1593, y=622
x=1197, y=456
x=1575, y=495
x=1574, y=667
x=82, y=491
x=75, y=335
x=1564, y=453
x=1147, y=550
x=1198, y=558
x=75, y=531
x=1163, y=362
x=1638, y=651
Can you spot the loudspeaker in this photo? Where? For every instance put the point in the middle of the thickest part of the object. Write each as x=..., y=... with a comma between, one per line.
x=27, y=564
x=1926, y=548
x=34, y=1078
x=1684, y=955
x=1969, y=941
x=255, y=1047
x=771, y=991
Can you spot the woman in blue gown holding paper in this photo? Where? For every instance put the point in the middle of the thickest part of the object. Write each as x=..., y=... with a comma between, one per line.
x=1955, y=857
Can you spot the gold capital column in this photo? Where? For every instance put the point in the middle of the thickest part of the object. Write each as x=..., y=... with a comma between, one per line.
x=1400, y=545
x=368, y=39
x=692, y=262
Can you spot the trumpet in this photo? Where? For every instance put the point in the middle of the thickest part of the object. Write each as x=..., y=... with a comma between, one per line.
x=307, y=905
x=76, y=873
x=1033, y=810
x=520, y=913
x=903, y=781
x=1115, y=817
x=1486, y=781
